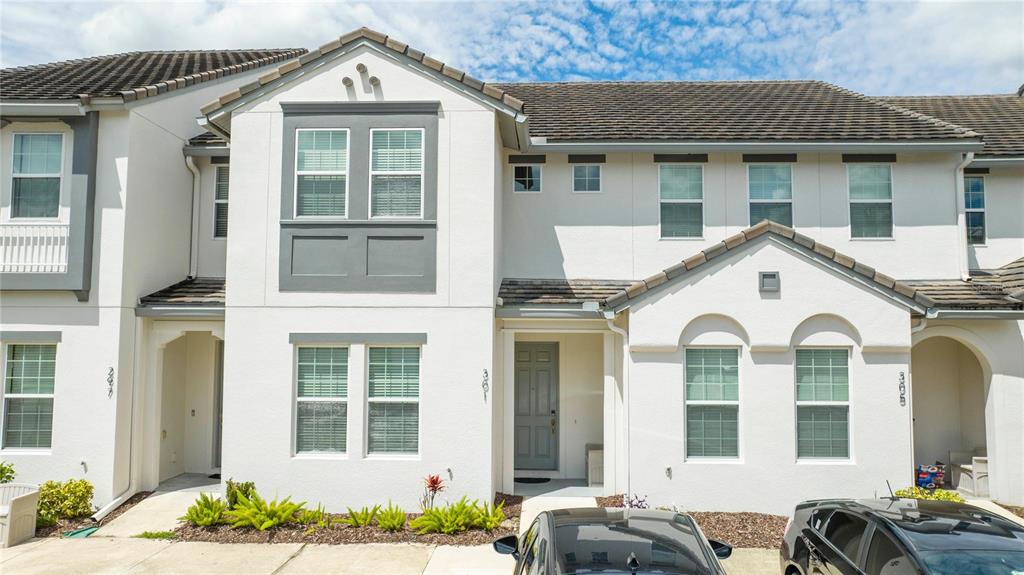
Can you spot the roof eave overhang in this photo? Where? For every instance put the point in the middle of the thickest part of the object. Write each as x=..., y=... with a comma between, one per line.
x=14, y=109
x=541, y=145
x=179, y=311
x=587, y=310
x=998, y=162
x=207, y=151
x=1012, y=314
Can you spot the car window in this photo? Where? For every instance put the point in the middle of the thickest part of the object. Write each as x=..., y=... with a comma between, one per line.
x=844, y=532
x=526, y=549
x=819, y=517
x=886, y=558
x=540, y=552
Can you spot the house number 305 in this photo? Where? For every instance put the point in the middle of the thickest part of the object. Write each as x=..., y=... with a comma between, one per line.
x=903, y=389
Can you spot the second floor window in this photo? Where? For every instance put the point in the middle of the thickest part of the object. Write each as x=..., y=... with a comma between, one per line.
x=771, y=193
x=321, y=173
x=681, y=189
x=526, y=178
x=220, y=203
x=396, y=173
x=974, y=202
x=38, y=163
x=870, y=200
x=586, y=178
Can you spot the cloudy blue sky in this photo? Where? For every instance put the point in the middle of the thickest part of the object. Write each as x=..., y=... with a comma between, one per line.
x=891, y=47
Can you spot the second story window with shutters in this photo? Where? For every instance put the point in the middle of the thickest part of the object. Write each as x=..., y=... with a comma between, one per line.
x=37, y=167
x=974, y=203
x=771, y=193
x=220, y=203
x=321, y=173
x=870, y=188
x=396, y=173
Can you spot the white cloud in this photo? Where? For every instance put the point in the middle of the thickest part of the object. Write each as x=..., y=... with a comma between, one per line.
x=874, y=47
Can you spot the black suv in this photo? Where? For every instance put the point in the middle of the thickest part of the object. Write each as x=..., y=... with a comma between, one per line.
x=900, y=537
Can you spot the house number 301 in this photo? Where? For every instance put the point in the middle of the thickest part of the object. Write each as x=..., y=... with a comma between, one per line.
x=903, y=389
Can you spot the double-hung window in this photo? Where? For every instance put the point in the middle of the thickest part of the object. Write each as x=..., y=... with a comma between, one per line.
x=974, y=203
x=393, y=407
x=321, y=173
x=321, y=411
x=770, y=187
x=712, y=402
x=396, y=173
x=870, y=188
x=681, y=189
x=38, y=164
x=586, y=178
x=220, y=203
x=526, y=178
x=28, y=396
x=823, y=403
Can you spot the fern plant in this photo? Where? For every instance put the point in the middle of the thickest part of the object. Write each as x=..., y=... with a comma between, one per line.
x=314, y=517
x=257, y=513
x=361, y=518
x=392, y=519
x=454, y=518
x=235, y=488
x=206, y=511
x=489, y=517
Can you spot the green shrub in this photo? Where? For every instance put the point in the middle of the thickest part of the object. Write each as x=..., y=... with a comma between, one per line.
x=6, y=472
x=67, y=500
x=392, y=519
x=361, y=518
x=234, y=489
x=156, y=535
x=206, y=511
x=45, y=521
x=930, y=494
x=257, y=513
x=314, y=517
x=454, y=518
x=489, y=517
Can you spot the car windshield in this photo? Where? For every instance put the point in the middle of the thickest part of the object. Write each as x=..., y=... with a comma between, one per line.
x=660, y=546
x=973, y=562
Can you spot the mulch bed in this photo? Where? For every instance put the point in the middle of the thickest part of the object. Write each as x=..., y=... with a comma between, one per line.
x=1018, y=511
x=64, y=525
x=611, y=501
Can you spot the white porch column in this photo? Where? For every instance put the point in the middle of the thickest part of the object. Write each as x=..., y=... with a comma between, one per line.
x=508, y=385
x=1004, y=427
x=611, y=417
x=150, y=476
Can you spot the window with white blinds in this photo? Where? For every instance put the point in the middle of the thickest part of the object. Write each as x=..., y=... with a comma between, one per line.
x=870, y=200
x=396, y=173
x=770, y=187
x=220, y=203
x=974, y=203
x=712, y=402
x=393, y=400
x=681, y=189
x=321, y=414
x=30, y=373
x=321, y=173
x=822, y=403
x=37, y=167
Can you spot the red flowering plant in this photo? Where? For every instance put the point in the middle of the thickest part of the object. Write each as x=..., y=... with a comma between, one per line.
x=432, y=485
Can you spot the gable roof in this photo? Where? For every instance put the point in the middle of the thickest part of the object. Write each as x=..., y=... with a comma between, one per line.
x=292, y=69
x=907, y=293
x=998, y=118
x=1000, y=289
x=131, y=76
x=774, y=111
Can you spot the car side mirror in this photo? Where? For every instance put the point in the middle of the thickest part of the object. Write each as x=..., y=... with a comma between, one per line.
x=722, y=550
x=509, y=545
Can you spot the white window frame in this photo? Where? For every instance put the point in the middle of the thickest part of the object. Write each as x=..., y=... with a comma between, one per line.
x=217, y=202
x=687, y=458
x=703, y=207
x=296, y=400
x=59, y=175
x=600, y=178
x=370, y=400
x=540, y=178
x=295, y=176
x=421, y=173
x=792, y=191
x=892, y=203
x=848, y=404
x=4, y=396
x=982, y=211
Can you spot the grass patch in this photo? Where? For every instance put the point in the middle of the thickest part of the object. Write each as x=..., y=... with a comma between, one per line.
x=156, y=535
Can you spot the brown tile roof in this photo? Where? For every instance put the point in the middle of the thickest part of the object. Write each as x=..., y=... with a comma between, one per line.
x=291, y=68
x=739, y=240
x=194, y=292
x=557, y=291
x=719, y=111
x=207, y=139
x=131, y=76
x=1002, y=288
x=998, y=118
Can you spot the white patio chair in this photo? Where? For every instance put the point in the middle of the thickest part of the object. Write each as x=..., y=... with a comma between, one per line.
x=973, y=478
x=18, y=502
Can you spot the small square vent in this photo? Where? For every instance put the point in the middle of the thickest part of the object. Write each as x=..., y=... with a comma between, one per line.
x=768, y=281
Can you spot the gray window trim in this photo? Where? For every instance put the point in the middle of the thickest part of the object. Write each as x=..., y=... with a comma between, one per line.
x=303, y=338
x=30, y=336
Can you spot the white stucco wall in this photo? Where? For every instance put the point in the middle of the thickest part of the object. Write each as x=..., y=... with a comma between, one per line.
x=1004, y=219
x=616, y=234
x=211, y=252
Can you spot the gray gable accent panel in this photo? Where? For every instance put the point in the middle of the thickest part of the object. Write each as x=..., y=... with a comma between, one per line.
x=30, y=336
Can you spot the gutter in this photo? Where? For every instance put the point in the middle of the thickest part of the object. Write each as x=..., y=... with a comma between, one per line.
x=541, y=145
x=961, y=217
x=180, y=311
x=980, y=314
x=1009, y=162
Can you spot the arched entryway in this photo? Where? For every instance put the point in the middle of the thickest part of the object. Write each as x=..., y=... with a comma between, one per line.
x=950, y=394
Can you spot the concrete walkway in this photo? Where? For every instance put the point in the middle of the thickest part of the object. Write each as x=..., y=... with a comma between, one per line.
x=161, y=510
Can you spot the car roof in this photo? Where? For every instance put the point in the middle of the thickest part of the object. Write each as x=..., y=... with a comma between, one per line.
x=940, y=525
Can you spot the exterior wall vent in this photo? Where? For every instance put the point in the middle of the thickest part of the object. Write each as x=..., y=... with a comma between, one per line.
x=768, y=281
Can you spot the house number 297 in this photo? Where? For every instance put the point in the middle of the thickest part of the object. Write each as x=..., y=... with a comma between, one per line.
x=903, y=389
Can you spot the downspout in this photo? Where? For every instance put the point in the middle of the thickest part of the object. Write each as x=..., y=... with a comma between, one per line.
x=609, y=317
x=193, y=241
x=961, y=218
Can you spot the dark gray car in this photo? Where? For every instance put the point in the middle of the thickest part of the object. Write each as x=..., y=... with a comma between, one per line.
x=613, y=541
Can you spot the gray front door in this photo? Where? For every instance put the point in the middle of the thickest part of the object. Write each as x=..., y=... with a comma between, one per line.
x=536, y=424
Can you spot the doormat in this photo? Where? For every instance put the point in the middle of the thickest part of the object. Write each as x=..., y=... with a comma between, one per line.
x=215, y=476
x=532, y=479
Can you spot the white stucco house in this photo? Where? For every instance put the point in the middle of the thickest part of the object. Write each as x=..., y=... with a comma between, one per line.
x=334, y=272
